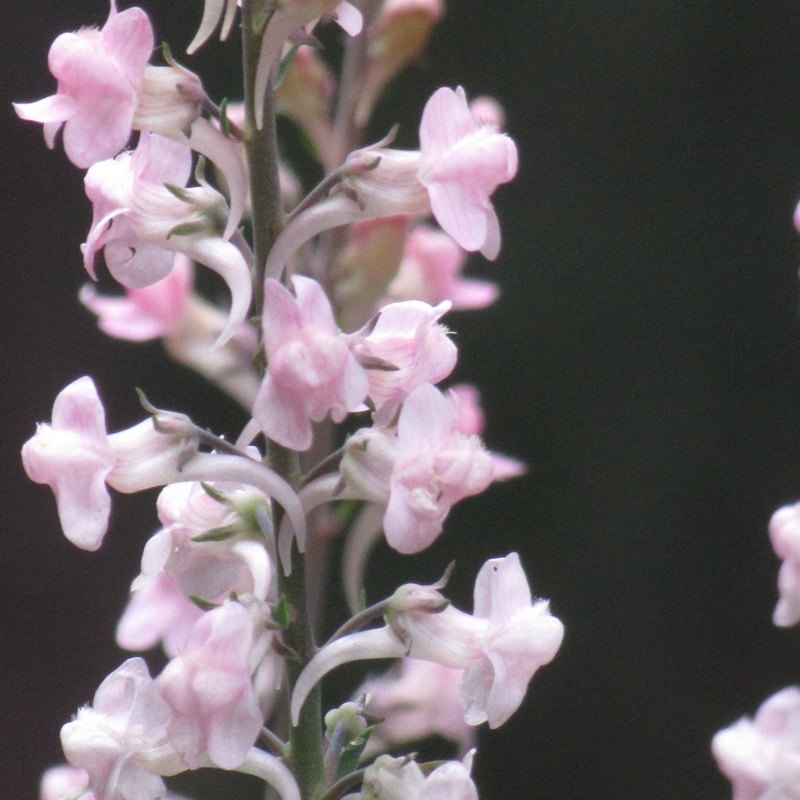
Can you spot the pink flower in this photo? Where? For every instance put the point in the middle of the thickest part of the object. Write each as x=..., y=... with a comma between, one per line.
x=98, y=74
x=207, y=569
x=140, y=223
x=157, y=612
x=761, y=757
x=73, y=456
x=121, y=741
x=416, y=700
x=458, y=166
x=435, y=467
x=407, y=336
x=431, y=271
x=521, y=637
x=471, y=422
x=215, y=711
x=147, y=313
x=500, y=646
x=391, y=778
x=310, y=370
x=58, y=781
x=784, y=532
x=461, y=164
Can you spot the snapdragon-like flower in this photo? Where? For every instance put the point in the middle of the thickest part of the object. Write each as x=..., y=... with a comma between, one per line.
x=391, y=778
x=205, y=545
x=76, y=457
x=98, y=74
x=761, y=757
x=416, y=700
x=431, y=271
x=457, y=168
x=420, y=473
x=310, y=370
x=784, y=532
x=408, y=337
x=500, y=646
x=140, y=223
x=121, y=740
x=215, y=711
x=73, y=456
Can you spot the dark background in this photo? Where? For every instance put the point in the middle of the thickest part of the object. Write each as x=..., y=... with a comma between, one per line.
x=644, y=358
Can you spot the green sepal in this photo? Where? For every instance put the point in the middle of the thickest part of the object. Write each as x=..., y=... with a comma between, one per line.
x=216, y=534
x=362, y=599
x=280, y=613
x=186, y=229
x=178, y=192
x=224, y=124
x=214, y=494
x=351, y=754
x=286, y=62
x=203, y=605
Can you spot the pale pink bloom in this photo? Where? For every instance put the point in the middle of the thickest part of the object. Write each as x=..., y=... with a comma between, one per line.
x=288, y=18
x=59, y=781
x=784, y=532
x=207, y=569
x=73, y=456
x=215, y=712
x=761, y=757
x=500, y=646
x=436, y=466
x=416, y=700
x=420, y=473
x=147, y=313
x=458, y=166
x=391, y=778
x=521, y=637
x=431, y=271
x=471, y=421
x=121, y=740
x=408, y=337
x=98, y=74
x=461, y=164
x=140, y=223
x=157, y=612
x=310, y=370
x=76, y=457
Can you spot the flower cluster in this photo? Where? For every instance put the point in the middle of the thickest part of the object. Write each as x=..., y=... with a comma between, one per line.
x=334, y=342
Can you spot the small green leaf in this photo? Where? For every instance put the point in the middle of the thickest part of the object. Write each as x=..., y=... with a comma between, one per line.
x=351, y=754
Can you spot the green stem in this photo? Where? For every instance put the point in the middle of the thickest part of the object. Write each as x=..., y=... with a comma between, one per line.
x=305, y=740
x=262, y=148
